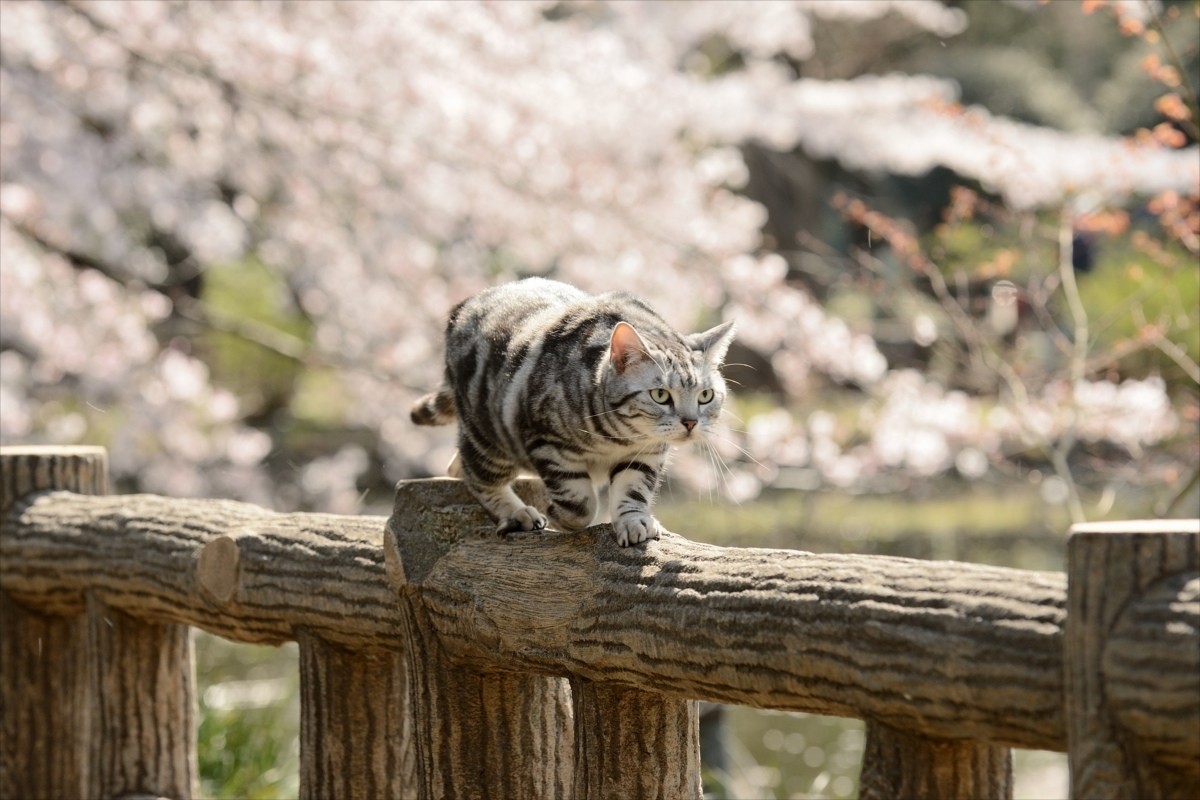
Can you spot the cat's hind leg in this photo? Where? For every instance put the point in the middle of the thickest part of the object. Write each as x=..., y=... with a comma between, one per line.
x=510, y=512
x=490, y=481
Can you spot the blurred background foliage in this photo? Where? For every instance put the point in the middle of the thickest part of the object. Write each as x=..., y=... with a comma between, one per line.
x=960, y=239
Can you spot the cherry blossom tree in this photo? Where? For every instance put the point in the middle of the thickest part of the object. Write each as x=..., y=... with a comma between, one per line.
x=366, y=165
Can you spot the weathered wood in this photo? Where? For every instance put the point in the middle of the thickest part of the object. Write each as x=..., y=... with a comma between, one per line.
x=217, y=568
x=1152, y=673
x=142, y=726
x=900, y=764
x=43, y=666
x=631, y=743
x=354, y=737
x=43, y=704
x=950, y=650
x=950, y=663
x=483, y=734
x=25, y=470
x=1113, y=568
x=233, y=569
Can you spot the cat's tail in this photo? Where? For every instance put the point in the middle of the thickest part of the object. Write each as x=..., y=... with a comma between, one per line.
x=434, y=409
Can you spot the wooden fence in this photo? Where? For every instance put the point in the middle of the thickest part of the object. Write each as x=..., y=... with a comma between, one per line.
x=437, y=660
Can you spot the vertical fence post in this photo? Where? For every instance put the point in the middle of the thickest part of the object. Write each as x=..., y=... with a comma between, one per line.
x=633, y=743
x=476, y=733
x=354, y=741
x=896, y=763
x=482, y=734
x=43, y=667
x=1131, y=656
x=142, y=738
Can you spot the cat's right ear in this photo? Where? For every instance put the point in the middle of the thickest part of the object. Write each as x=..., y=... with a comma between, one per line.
x=713, y=343
x=626, y=347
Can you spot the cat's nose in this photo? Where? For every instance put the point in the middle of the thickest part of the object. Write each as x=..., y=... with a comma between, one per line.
x=689, y=424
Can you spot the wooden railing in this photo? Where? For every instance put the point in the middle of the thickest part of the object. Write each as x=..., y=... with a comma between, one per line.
x=437, y=660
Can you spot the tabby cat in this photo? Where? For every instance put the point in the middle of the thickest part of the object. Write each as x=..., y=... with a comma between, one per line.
x=581, y=390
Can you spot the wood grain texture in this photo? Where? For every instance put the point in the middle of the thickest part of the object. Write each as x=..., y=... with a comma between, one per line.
x=899, y=764
x=950, y=663
x=355, y=741
x=951, y=650
x=631, y=743
x=26, y=470
x=1112, y=567
x=43, y=704
x=480, y=734
x=44, y=697
x=142, y=732
x=1151, y=670
x=146, y=555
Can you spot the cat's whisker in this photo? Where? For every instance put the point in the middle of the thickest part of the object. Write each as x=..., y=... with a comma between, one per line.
x=600, y=414
x=730, y=412
x=658, y=362
x=631, y=438
x=714, y=458
x=708, y=453
x=722, y=469
x=740, y=449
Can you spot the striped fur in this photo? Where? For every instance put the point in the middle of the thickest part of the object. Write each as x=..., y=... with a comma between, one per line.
x=580, y=390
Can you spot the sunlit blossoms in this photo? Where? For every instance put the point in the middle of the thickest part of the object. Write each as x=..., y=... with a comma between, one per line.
x=381, y=161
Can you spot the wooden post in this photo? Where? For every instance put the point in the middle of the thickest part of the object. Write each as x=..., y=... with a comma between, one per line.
x=354, y=741
x=1131, y=660
x=477, y=732
x=900, y=764
x=142, y=737
x=43, y=668
x=633, y=743
x=480, y=734
x=1152, y=675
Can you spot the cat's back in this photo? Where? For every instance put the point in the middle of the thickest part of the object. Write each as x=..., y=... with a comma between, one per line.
x=502, y=311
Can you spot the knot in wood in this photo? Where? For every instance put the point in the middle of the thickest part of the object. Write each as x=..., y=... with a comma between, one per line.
x=217, y=568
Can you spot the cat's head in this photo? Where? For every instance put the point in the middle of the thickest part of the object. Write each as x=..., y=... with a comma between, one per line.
x=668, y=389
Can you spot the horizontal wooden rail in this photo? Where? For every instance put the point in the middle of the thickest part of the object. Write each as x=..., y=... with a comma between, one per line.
x=950, y=650
x=955, y=651
x=233, y=569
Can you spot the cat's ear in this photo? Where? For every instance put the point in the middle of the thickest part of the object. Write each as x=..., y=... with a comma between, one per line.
x=713, y=342
x=626, y=347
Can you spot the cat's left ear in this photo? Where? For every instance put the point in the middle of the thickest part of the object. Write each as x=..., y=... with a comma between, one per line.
x=713, y=342
x=626, y=347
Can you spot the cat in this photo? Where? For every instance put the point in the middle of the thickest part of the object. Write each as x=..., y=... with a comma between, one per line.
x=580, y=390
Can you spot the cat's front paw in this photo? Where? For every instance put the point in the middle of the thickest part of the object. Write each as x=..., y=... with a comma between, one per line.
x=525, y=519
x=636, y=528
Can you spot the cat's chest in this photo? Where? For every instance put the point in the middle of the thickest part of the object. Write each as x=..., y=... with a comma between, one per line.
x=599, y=465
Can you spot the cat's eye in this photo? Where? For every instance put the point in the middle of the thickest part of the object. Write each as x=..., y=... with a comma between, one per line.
x=706, y=396
x=660, y=396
